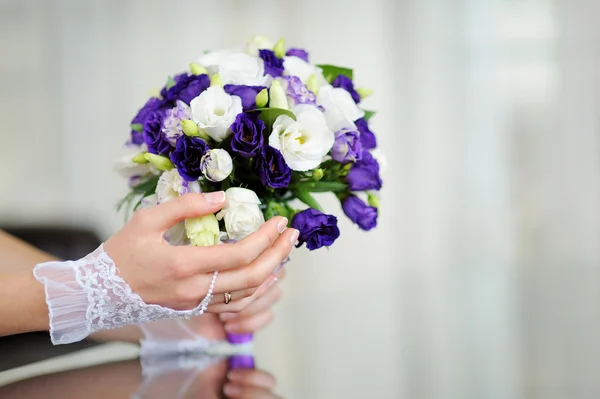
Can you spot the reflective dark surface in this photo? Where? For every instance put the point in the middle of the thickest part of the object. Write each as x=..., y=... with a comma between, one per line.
x=183, y=376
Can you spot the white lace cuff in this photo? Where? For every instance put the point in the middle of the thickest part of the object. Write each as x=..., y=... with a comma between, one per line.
x=87, y=296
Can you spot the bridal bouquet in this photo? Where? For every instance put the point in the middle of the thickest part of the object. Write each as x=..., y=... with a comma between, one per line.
x=268, y=127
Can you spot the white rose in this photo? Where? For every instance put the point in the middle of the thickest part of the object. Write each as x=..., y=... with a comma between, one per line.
x=216, y=165
x=340, y=109
x=241, y=213
x=171, y=185
x=257, y=43
x=214, y=111
x=296, y=66
x=303, y=142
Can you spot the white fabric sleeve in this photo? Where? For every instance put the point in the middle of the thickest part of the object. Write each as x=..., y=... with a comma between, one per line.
x=87, y=296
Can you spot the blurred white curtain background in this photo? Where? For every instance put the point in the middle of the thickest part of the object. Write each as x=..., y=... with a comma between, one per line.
x=482, y=280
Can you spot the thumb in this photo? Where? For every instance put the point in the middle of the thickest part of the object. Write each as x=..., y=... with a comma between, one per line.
x=184, y=207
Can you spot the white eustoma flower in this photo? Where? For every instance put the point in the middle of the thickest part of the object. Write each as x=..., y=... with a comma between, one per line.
x=305, y=141
x=241, y=213
x=216, y=165
x=381, y=160
x=340, y=109
x=132, y=170
x=257, y=43
x=148, y=202
x=171, y=185
x=236, y=68
x=214, y=111
x=296, y=66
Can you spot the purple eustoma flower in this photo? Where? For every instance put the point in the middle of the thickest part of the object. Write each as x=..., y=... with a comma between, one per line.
x=171, y=124
x=273, y=65
x=316, y=228
x=297, y=91
x=272, y=169
x=153, y=136
x=186, y=88
x=187, y=156
x=364, y=174
x=367, y=138
x=347, y=146
x=297, y=52
x=246, y=93
x=142, y=116
x=247, y=138
x=363, y=215
x=345, y=83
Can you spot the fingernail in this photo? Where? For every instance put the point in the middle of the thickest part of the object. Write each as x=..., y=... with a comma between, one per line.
x=227, y=316
x=232, y=390
x=282, y=225
x=294, y=236
x=270, y=283
x=215, y=198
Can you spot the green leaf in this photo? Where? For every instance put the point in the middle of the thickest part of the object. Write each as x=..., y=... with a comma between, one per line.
x=268, y=115
x=331, y=72
x=308, y=199
x=320, y=186
x=368, y=114
x=148, y=186
x=137, y=127
x=170, y=82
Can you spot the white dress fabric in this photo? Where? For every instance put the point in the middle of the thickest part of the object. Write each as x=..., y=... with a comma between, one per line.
x=87, y=296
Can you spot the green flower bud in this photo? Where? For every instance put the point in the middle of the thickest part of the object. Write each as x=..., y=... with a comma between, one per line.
x=190, y=128
x=279, y=48
x=312, y=84
x=140, y=158
x=317, y=174
x=364, y=93
x=216, y=80
x=203, y=231
x=198, y=69
x=373, y=200
x=277, y=96
x=262, y=98
x=159, y=162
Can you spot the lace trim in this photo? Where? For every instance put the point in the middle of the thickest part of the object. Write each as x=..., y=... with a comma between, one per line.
x=108, y=300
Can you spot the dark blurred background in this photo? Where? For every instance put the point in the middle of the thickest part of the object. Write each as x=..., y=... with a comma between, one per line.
x=483, y=279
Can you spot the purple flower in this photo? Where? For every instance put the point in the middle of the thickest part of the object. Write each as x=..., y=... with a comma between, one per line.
x=272, y=169
x=273, y=65
x=316, y=228
x=297, y=52
x=367, y=138
x=246, y=93
x=347, y=146
x=171, y=124
x=360, y=213
x=345, y=83
x=364, y=174
x=151, y=105
x=186, y=88
x=153, y=136
x=247, y=138
x=187, y=156
x=297, y=91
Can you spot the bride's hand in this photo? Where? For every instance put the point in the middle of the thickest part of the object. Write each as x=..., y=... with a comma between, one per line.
x=178, y=277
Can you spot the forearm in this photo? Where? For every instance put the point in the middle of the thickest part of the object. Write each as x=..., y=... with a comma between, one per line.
x=22, y=299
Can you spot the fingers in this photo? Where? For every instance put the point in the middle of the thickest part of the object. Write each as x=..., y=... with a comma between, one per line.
x=265, y=302
x=228, y=256
x=255, y=378
x=236, y=391
x=183, y=207
x=257, y=272
x=251, y=324
x=241, y=304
